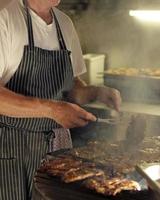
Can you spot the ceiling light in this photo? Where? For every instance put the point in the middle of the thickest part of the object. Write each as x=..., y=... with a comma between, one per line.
x=146, y=15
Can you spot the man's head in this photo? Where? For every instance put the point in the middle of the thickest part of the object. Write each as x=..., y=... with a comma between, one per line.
x=54, y=2
x=43, y=4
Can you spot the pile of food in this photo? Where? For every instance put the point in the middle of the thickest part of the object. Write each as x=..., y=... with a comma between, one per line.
x=89, y=175
x=132, y=71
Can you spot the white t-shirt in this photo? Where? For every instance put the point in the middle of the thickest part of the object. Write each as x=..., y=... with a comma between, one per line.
x=14, y=36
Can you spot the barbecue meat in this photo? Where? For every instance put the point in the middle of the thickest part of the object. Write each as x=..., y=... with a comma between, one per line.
x=81, y=174
x=71, y=168
x=112, y=186
x=60, y=164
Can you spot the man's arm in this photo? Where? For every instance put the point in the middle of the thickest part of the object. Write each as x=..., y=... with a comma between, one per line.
x=67, y=114
x=83, y=94
x=16, y=105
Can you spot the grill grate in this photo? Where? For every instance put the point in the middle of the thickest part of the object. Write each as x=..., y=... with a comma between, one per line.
x=49, y=188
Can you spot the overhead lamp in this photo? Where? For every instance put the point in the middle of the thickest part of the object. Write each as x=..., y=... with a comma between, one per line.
x=146, y=15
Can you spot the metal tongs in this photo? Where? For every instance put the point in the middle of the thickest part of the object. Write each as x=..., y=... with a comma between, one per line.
x=112, y=121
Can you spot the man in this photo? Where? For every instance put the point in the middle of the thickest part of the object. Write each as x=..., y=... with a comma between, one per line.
x=40, y=61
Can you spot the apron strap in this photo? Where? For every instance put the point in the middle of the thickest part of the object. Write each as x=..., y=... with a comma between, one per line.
x=59, y=32
x=29, y=26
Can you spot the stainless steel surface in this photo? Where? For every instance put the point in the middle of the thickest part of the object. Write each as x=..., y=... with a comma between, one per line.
x=112, y=121
x=151, y=172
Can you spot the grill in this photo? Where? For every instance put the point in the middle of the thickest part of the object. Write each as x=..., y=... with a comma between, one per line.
x=49, y=188
x=116, y=158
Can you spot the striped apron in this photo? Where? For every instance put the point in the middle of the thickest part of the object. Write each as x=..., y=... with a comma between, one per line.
x=25, y=141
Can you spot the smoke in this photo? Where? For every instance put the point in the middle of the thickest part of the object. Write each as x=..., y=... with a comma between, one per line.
x=106, y=27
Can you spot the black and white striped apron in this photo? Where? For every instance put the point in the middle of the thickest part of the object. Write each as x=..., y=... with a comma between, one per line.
x=24, y=141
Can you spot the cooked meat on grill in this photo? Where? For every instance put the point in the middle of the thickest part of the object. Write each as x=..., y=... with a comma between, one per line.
x=71, y=168
x=110, y=187
x=105, y=153
x=81, y=174
x=60, y=172
x=60, y=164
x=64, y=165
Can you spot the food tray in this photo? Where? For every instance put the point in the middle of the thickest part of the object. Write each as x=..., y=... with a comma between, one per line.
x=135, y=88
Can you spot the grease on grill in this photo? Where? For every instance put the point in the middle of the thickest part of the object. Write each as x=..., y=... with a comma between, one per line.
x=115, y=155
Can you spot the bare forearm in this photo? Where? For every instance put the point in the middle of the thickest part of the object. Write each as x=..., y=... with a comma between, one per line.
x=82, y=93
x=68, y=115
x=15, y=105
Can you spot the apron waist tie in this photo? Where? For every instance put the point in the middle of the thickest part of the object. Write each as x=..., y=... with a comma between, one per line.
x=49, y=137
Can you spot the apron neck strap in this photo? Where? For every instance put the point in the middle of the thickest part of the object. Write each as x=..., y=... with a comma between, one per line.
x=29, y=25
x=59, y=32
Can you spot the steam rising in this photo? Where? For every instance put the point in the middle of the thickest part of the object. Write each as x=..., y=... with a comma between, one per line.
x=108, y=28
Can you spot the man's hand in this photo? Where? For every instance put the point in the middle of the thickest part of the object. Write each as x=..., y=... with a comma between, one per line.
x=109, y=96
x=70, y=115
x=83, y=94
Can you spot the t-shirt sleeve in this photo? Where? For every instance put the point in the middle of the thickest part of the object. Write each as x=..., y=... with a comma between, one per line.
x=3, y=46
x=77, y=57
